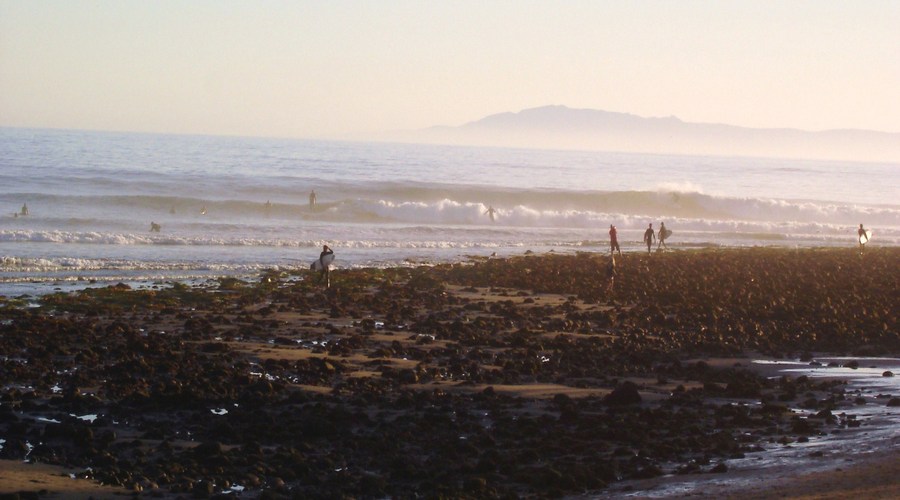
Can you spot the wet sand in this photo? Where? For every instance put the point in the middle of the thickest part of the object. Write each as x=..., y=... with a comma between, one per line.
x=517, y=377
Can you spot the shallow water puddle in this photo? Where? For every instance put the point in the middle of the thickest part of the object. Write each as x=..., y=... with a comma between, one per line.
x=868, y=390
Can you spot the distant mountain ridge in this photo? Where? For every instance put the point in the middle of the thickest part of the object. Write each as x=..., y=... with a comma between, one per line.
x=560, y=127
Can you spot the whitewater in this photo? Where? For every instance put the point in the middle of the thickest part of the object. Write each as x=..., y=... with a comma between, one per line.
x=231, y=206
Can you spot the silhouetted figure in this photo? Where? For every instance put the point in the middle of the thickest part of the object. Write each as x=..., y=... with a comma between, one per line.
x=326, y=265
x=662, y=236
x=614, y=241
x=268, y=207
x=203, y=211
x=312, y=200
x=154, y=227
x=863, y=237
x=490, y=212
x=24, y=210
x=649, y=237
x=611, y=274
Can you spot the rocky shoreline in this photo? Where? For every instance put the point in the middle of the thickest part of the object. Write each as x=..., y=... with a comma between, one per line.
x=520, y=377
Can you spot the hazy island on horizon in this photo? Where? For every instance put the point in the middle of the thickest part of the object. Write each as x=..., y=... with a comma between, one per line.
x=561, y=127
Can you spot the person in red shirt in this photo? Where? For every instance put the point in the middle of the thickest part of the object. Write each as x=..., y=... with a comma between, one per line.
x=614, y=241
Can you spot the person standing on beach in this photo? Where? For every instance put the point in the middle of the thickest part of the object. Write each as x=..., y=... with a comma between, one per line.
x=863, y=237
x=649, y=236
x=614, y=241
x=326, y=273
x=662, y=237
x=312, y=200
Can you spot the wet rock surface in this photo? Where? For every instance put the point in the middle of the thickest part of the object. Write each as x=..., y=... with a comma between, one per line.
x=500, y=378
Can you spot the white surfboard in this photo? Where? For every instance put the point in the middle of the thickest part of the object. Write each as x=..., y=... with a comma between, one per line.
x=320, y=263
x=864, y=238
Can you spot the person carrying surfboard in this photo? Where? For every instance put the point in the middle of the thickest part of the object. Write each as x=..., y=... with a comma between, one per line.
x=614, y=241
x=325, y=262
x=663, y=234
x=649, y=236
x=863, y=235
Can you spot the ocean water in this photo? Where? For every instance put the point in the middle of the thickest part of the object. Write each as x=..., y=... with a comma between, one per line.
x=92, y=196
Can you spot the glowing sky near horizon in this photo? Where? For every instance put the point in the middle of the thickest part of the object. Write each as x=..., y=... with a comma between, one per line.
x=325, y=68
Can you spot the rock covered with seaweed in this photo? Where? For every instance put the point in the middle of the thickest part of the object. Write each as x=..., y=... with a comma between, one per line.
x=502, y=377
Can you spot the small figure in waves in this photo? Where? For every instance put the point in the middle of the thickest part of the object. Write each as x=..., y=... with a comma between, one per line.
x=203, y=211
x=154, y=227
x=490, y=212
x=312, y=200
x=24, y=210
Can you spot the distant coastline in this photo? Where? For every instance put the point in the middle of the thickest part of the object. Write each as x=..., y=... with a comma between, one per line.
x=561, y=127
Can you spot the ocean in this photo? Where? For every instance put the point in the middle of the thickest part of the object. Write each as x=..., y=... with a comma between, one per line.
x=233, y=206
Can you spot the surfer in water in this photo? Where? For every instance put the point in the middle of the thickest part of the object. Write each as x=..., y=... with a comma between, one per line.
x=154, y=227
x=490, y=212
x=24, y=211
x=312, y=200
x=649, y=236
x=614, y=241
x=662, y=237
x=326, y=264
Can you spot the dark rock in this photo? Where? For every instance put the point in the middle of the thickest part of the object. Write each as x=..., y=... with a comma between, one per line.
x=625, y=394
x=719, y=468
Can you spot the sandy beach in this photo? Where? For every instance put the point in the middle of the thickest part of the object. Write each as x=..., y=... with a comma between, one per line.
x=532, y=376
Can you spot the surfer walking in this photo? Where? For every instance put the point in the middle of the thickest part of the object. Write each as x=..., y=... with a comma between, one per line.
x=312, y=200
x=326, y=265
x=614, y=242
x=663, y=234
x=863, y=235
x=490, y=212
x=649, y=237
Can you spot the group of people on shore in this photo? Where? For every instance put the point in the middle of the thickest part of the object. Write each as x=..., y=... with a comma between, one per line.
x=650, y=236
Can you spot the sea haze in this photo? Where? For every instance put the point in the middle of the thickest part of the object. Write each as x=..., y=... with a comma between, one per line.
x=92, y=196
x=560, y=127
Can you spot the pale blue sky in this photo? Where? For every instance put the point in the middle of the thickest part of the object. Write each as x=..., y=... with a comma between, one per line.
x=321, y=68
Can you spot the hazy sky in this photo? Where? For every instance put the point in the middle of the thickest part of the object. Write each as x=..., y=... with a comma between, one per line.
x=319, y=68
